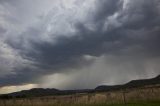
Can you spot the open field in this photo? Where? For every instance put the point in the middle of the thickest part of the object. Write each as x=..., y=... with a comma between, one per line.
x=103, y=104
x=146, y=96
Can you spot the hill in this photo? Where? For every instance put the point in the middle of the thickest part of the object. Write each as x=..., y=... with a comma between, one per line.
x=39, y=92
x=131, y=84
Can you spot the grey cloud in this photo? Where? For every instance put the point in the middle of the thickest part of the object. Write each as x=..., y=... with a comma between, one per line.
x=2, y=30
x=140, y=14
x=135, y=38
x=107, y=8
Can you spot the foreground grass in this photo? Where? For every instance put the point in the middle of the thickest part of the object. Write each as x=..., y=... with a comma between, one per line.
x=153, y=103
x=134, y=97
x=129, y=104
x=104, y=104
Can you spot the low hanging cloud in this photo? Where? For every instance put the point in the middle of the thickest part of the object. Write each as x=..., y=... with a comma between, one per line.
x=84, y=43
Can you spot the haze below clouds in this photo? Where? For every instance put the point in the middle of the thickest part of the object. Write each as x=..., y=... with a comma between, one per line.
x=75, y=44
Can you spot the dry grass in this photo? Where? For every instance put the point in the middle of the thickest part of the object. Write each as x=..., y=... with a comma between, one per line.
x=142, y=95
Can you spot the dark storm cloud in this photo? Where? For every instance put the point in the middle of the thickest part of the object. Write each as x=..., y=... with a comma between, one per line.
x=106, y=8
x=134, y=32
x=68, y=50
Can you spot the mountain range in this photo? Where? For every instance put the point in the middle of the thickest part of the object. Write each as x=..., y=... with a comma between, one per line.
x=39, y=92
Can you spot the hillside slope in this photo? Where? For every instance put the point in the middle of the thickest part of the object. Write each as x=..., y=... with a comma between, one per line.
x=131, y=84
x=38, y=92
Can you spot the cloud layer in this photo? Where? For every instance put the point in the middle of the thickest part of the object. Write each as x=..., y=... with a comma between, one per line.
x=80, y=43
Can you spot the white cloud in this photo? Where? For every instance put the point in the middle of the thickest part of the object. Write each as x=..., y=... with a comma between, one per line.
x=9, y=89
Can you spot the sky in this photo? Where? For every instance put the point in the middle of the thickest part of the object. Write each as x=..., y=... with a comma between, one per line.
x=77, y=44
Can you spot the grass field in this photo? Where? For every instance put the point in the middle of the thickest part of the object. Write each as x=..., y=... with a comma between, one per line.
x=98, y=104
x=148, y=96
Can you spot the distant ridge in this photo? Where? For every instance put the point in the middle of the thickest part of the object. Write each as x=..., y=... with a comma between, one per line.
x=39, y=92
x=131, y=84
x=35, y=92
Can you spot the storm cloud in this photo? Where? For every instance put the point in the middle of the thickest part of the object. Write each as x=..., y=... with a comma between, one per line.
x=79, y=44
